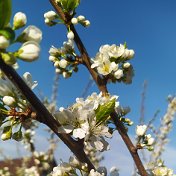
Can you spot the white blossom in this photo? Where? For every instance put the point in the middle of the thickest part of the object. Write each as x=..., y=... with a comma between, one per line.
x=162, y=171
x=4, y=42
x=70, y=35
x=81, y=18
x=80, y=121
x=63, y=63
x=140, y=130
x=118, y=74
x=19, y=20
x=53, y=51
x=50, y=15
x=74, y=21
x=8, y=100
x=95, y=173
x=32, y=33
x=32, y=171
x=126, y=65
x=62, y=169
x=87, y=23
x=29, y=51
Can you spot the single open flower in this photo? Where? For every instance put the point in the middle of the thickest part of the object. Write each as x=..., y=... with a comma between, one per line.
x=29, y=51
x=140, y=130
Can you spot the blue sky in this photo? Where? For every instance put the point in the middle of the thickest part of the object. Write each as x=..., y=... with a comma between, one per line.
x=148, y=27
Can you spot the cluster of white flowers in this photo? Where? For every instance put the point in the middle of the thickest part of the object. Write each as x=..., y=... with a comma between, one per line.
x=42, y=159
x=157, y=168
x=63, y=169
x=50, y=16
x=144, y=140
x=5, y=171
x=74, y=165
x=162, y=171
x=31, y=171
x=64, y=58
x=80, y=120
x=111, y=61
x=81, y=20
x=165, y=128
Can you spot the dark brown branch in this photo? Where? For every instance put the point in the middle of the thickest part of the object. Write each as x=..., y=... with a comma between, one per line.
x=101, y=83
x=43, y=114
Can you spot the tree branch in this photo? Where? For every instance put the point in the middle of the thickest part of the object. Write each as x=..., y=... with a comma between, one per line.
x=43, y=114
x=101, y=83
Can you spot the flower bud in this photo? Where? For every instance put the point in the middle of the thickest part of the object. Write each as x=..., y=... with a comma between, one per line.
x=70, y=35
x=50, y=15
x=140, y=130
x=7, y=135
x=86, y=23
x=118, y=74
x=52, y=58
x=66, y=74
x=63, y=63
x=32, y=33
x=8, y=100
x=57, y=70
x=126, y=65
x=74, y=21
x=19, y=20
x=81, y=18
x=4, y=43
x=56, y=64
x=29, y=51
x=53, y=51
x=150, y=141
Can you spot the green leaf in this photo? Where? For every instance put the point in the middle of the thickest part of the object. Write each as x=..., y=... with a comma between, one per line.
x=18, y=136
x=7, y=133
x=5, y=12
x=103, y=111
x=70, y=5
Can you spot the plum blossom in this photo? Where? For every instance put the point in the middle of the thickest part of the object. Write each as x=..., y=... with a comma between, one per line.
x=80, y=121
x=111, y=60
x=32, y=33
x=29, y=51
x=63, y=169
x=4, y=42
x=8, y=100
x=140, y=130
x=19, y=20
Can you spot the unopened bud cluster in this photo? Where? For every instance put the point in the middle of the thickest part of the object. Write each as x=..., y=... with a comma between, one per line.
x=81, y=20
x=30, y=39
x=145, y=140
x=64, y=58
x=111, y=62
